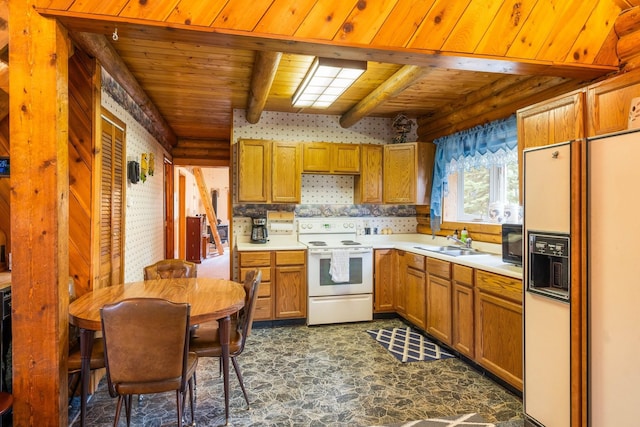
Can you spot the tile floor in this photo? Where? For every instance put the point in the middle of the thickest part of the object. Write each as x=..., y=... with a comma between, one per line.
x=334, y=375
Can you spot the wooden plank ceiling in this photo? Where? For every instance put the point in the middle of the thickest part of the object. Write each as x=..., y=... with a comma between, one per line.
x=472, y=60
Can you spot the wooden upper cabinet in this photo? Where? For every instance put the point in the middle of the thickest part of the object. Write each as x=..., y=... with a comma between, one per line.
x=609, y=103
x=326, y=157
x=268, y=171
x=254, y=170
x=408, y=172
x=368, y=185
x=286, y=172
x=557, y=120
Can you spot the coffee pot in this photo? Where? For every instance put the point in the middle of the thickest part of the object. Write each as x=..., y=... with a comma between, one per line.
x=259, y=230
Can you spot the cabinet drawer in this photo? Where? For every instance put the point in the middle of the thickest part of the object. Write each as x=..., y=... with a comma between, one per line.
x=503, y=286
x=255, y=259
x=290, y=257
x=264, y=290
x=414, y=261
x=463, y=274
x=439, y=268
x=264, y=309
x=266, y=273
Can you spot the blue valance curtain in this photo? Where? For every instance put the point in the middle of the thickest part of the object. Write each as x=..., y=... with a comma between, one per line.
x=481, y=146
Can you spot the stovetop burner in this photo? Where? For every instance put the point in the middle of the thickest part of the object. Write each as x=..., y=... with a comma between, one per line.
x=350, y=243
x=318, y=243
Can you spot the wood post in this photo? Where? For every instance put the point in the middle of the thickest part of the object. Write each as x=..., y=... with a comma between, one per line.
x=208, y=208
x=264, y=71
x=39, y=52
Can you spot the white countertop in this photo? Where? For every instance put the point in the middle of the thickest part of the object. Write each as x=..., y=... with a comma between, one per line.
x=490, y=261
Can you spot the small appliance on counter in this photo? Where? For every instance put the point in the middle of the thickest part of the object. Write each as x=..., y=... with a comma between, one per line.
x=259, y=232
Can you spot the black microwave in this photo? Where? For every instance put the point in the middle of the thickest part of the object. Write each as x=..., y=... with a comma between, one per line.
x=512, y=244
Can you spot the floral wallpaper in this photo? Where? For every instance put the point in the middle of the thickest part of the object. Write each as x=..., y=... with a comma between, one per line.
x=323, y=195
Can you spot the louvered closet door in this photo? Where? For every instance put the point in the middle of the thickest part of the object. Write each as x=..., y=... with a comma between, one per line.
x=112, y=204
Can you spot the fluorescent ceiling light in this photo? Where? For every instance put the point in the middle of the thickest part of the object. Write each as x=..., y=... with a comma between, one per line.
x=325, y=81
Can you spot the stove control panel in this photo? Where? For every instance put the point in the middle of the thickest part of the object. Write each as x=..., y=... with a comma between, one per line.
x=327, y=226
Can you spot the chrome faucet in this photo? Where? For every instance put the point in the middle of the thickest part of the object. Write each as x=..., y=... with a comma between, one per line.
x=466, y=244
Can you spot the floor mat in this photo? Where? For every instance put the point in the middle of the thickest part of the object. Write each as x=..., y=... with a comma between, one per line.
x=407, y=345
x=468, y=420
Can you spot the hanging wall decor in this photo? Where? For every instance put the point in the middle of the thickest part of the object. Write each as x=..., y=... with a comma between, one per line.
x=144, y=166
x=151, y=164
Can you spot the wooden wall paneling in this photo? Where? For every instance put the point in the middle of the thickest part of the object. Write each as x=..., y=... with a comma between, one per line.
x=471, y=26
x=401, y=23
x=437, y=25
x=504, y=28
x=38, y=53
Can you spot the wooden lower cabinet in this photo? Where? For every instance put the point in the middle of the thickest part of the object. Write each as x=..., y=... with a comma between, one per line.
x=498, y=326
x=415, y=279
x=291, y=284
x=462, y=307
x=383, y=280
x=399, y=289
x=438, y=300
x=283, y=289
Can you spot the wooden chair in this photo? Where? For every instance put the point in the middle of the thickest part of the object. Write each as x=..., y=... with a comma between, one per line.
x=205, y=342
x=139, y=359
x=6, y=402
x=170, y=269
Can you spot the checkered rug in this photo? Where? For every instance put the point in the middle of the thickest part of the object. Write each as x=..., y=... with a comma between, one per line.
x=407, y=345
x=468, y=420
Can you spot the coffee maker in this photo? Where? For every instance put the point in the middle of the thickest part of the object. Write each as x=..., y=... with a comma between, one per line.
x=259, y=230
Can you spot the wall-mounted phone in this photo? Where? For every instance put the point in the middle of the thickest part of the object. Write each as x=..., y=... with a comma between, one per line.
x=133, y=171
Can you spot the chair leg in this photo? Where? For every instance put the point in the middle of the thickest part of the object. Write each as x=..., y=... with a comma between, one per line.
x=118, y=409
x=179, y=407
x=237, y=368
x=128, y=406
x=74, y=382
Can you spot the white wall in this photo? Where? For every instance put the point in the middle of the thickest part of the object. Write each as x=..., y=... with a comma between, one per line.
x=144, y=220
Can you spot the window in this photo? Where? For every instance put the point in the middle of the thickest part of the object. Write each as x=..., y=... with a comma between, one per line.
x=482, y=193
x=475, y=174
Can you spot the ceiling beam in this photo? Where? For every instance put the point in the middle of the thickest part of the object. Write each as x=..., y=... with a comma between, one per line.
x=395, y=84
x=97, y=46
x=264, y=71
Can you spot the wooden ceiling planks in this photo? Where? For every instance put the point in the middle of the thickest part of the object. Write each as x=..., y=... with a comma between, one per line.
x=241, y=15
x=160, y=11
x=403, y=21
x=275, y=22
x=505, y=27
x=106, y=7
x=364, y=22
x=196, y=13
x=593, y=33
x=324, y=20
x=471, y=27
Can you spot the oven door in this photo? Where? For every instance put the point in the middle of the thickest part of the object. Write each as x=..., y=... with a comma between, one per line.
x=360, y=273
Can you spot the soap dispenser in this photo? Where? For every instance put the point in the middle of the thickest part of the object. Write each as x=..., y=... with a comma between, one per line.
x=464, y=234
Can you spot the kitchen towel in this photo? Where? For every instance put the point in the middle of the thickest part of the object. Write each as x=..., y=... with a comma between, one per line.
x=339, y=266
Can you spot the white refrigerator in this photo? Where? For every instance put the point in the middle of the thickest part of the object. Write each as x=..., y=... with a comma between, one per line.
x=613, y=280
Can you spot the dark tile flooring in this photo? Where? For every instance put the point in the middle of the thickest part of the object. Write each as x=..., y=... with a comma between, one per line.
x=334, y=375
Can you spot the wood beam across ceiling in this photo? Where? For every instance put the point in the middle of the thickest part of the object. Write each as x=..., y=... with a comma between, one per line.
x=97, y=46
x=402, y=79
x=264, y=71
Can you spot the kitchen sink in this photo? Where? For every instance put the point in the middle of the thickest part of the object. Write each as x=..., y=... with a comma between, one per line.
x=450, y=250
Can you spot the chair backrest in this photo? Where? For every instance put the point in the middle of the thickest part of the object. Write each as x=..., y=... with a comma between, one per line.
x=146, y=340
x=251, y=283
x=170, y=269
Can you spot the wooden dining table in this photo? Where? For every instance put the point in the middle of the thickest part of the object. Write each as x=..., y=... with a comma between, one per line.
x=210, y=299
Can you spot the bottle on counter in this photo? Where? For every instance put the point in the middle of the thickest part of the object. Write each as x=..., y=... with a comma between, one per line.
x=464, y=234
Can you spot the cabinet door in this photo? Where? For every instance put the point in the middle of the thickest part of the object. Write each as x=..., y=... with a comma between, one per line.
x=345, y=158
x=400, y=278
x=501, y=353
x=399, y=173
x=254, y=170
x=462, y=317
x=609, y=103
x=316, y=157
x=285, y=175
x=368, y=185
x=291, y=292
x=415, y=289
x=439, y=308
x=383, y=281
x=194, y=239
